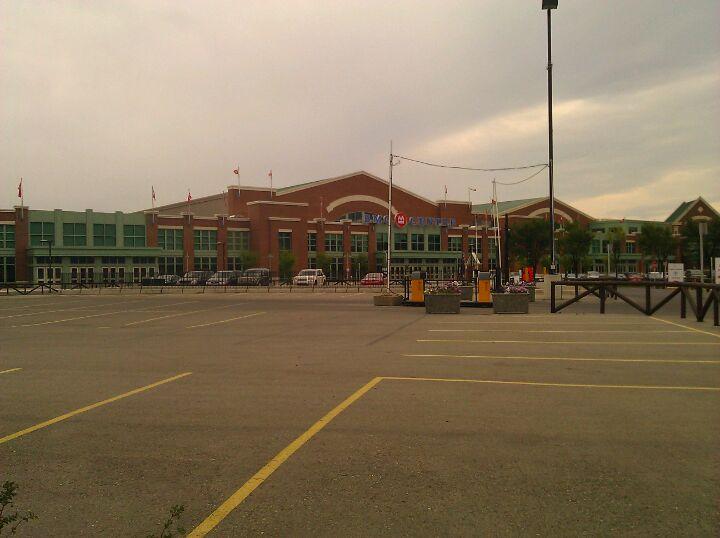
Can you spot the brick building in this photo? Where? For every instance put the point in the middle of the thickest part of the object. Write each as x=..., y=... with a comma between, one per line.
x=344, y=218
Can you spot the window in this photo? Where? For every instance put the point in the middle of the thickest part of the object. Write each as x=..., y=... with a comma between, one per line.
x=333, y=242
x=337, y=269
x=285, y=241
x=104, y=235
x=7, y=236
x=492, y=247
x=401, y=242
x=359, y=243
x=113, y=260
x=134, y=235
x=238, y=240
x=82, y=260
x=599, y=230
x=236, y=263
x=455, y=244
x=630, y=247
x=143, y=260
x=632, y=229
x=355, y=216
x=417, y=241
x=595, y=246
x=434, y=242
x=205, y=263
x=170, y=239
x=312, y=242
x=381, y=242
x=74, y=234
x=7, y=269
x=205, y=240
x=172, y=265
x=40, y=231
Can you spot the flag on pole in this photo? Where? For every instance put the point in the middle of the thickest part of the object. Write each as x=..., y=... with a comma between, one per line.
x=270, y=176
x=189, y=198
x=236, y=171
x=20, y=192
x=153, y=192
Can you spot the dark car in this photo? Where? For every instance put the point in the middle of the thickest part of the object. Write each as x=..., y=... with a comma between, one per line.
x=257, y=276
x=195, y=278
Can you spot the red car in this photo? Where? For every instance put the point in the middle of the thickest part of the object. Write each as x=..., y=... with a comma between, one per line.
x=373, y=279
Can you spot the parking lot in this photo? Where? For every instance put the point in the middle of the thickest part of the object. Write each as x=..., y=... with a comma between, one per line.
x=319, y=414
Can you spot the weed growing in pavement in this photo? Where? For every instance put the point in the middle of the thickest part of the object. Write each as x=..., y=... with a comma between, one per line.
x=12, y=520
x=174, y=519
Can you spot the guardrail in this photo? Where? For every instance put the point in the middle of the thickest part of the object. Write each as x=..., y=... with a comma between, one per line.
x=700, y=297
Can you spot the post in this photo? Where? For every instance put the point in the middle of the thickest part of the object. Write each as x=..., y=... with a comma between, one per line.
x=648, y=308
x=550, y=141
x=506, y=259
x=699, y=303
x=701, y=233
x=389, y=234
x=552, y=297
x=683, y=303
x=602, y=298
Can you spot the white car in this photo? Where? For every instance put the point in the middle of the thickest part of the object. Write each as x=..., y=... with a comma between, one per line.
x=310, y=277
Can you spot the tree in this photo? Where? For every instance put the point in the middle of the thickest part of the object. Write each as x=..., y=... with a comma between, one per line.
x=360, y=264
x=657, y=242
x=616, y=240
x=575, y=243
x=248, y=259
x=691, y=242
x=324, y=262
x=286, y=262
x=530, y=240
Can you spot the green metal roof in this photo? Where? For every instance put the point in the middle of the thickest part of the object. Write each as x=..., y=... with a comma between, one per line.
x=679, y=211
x=506, y=207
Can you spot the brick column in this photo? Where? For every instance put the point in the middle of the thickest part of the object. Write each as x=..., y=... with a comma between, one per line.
x=222, y=246
x=188, y=242
x=372, y=248
x=22, y=242
x=347, y=240
x=465, y=247
x=151, y=228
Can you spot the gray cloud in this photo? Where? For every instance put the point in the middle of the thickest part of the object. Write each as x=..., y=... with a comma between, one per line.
x=102, y=99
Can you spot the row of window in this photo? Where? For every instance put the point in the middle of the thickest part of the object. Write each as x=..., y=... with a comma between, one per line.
x=75, y=234
x=7, y=236
x=598, y=247
x=7, y=269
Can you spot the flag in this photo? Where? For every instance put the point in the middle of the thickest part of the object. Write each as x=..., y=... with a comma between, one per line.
x=270, y=175
x=189, y=196
x=20, y=193
x=153, y=192
x=236, y=171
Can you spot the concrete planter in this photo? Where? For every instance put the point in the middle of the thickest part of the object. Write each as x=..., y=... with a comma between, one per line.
x=388, y=300
x=442, y=303
x=531, y=289
x=511, y=303
x=466, y=293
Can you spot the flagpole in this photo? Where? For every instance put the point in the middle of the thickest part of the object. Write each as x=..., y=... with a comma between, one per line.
x=389, y=243
x=22, y=201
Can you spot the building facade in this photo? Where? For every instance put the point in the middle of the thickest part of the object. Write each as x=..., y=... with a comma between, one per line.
x=342, y=221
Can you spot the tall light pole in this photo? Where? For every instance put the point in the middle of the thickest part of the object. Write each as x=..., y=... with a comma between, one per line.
x=475, y=257
x=549, y=5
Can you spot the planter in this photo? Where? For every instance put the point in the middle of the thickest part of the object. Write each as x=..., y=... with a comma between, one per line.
x=388, y=300
x=532, y=293
x=466, y=293
x=511, y=303
x=442, y=303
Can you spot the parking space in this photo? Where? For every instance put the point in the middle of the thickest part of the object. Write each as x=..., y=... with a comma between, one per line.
x=324, y=415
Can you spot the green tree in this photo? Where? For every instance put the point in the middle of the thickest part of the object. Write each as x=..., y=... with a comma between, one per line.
x=691, y=242
x=575, y=243
x=286, y=263
x=530, y=240
x=616, y=240
x=656, y=242
x=248, y=259
x=360, y=264
x=323, y=261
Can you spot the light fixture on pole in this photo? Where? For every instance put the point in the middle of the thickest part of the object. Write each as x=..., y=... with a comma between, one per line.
x=549, y=5
x=475, y=256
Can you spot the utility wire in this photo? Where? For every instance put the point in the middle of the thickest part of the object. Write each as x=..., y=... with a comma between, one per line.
x=544, y=166
x=436, y=165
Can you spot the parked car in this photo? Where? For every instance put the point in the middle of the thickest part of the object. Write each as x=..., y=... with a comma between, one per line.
x=655, y=275
x=310, y=277
x=635, y=277
x=169, y=280
x=257, y=276
x=593, y=275
x=373, y=279
x=195, y=278
x=223, y=278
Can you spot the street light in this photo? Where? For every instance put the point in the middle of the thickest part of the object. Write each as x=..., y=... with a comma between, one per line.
x=549, y=5
x=50, y=260
x=475, y=257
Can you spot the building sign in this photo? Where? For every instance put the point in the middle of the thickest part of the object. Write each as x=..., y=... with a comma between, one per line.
x=676, y=272
x=400, y=219
x=412, y=221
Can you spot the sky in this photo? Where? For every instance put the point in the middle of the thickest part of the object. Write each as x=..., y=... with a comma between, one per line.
x=99, y=101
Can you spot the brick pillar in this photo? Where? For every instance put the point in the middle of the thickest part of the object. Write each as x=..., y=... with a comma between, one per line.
x=188, y=242
x=347, y=241
x=372, y=248
x=151, y=228
x=465, y=248
x=222, y=246
x=22, y=242
x=443, y=239
x=320, y=238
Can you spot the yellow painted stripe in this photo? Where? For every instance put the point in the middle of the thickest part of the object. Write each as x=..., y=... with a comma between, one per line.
x=10, y=370
x=73, y=319
x=583, y=342
x=263, y=474
x=569, y=385
x=89, y=408
x=594, y=321
x=547, y=331
x=177, y=314
x=716, y=335
x=58, y=310
x=224, y=320
x=525, y=358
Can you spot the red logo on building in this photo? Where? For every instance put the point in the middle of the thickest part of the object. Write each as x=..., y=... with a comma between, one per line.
x=400, y=219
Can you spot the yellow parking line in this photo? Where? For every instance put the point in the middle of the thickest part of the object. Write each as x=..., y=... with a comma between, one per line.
x=10, y=370
x=258, y=478
x=72, y=319
x=716, y=335
x=490, y=322
x=89, y=407
x=177, y=314
x=583, y=342
x=224, y=320
x=53, y=311
x=546, y=331
x=523, y=358
x=569, y=385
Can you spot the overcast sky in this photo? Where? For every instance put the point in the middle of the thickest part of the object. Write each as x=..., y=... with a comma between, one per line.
x=99, y=100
